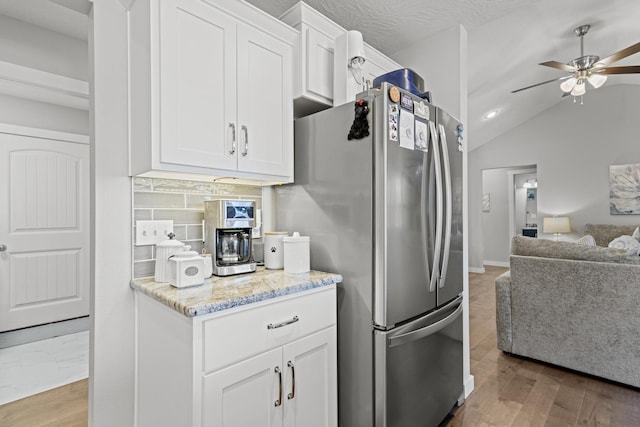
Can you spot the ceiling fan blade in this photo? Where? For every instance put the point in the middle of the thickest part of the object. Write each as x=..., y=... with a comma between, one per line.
x=540, y=84
x=559, y=66
x=635, y=48
x=630, y=69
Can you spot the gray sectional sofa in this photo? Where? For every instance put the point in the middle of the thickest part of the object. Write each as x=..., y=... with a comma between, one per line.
x=572, y=305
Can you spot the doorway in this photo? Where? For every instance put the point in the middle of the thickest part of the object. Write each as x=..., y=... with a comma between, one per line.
x=506, y=211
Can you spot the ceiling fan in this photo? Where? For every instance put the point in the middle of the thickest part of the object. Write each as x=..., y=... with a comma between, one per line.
x=588, y=68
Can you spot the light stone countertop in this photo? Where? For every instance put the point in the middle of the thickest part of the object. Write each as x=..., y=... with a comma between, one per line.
x=221, y=293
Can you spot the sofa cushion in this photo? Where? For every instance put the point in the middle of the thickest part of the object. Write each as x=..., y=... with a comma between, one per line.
x=529, y=246
x=628, y=243
x=604, y=233
x=587, y=239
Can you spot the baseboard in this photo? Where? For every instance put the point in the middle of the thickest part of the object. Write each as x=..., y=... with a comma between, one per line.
x=469, y=384
x=43, y=332
x=476, y=270
x=497, y=263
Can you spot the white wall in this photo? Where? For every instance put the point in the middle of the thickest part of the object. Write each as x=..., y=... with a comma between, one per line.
x=31, y=46
x=112, y=373
x=42, y=49
x=573, y=146
x=25, y=112
x=441, y=60
x=495, y=223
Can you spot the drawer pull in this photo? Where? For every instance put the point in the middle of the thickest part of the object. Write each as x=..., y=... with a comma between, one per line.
x=279, y=372
x=293, y=380
x=281, y=324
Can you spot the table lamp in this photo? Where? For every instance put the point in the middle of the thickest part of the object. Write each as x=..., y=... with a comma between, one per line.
x=556, y=225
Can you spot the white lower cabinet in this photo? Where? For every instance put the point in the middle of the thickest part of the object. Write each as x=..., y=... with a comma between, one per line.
x=294, y=385
x=271, y=364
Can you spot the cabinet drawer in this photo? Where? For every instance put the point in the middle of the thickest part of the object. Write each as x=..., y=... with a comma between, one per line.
x=244, y=334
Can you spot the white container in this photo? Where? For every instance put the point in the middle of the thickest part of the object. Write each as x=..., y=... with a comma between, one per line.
x=208, y=265
x=273, y=249
x=164, y=250
x=186, y=269
x=296, y=253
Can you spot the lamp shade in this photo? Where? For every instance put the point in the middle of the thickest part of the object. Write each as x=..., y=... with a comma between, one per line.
x=556, y=224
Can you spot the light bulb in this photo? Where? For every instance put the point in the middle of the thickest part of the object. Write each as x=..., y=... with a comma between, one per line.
x=579, y=89
x=597, y=80
x=568, y=85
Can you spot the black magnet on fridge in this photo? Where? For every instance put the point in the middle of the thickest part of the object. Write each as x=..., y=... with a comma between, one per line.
x=360, y=127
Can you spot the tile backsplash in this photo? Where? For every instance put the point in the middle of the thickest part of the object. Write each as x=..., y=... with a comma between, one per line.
x=182, y=202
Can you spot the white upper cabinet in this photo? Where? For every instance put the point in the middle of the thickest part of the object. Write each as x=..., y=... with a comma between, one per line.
x=211, y=93
x=377, y=64
x=313, y=80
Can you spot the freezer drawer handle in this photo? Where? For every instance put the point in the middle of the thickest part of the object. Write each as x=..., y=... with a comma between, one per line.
x=426, y=331
x=281, y=324
x=293, y=380
x=279, y=401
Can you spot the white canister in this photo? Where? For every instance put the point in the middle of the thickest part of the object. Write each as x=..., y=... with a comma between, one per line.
x=164, y=250
x=296, y=253
x=208, y=265
x=186, y=269
x=273, y=249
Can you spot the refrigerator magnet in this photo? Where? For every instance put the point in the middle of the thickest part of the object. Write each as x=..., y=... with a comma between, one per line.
x=406, y=130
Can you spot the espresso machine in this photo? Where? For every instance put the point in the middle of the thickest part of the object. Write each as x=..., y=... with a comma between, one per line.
x=227, y=235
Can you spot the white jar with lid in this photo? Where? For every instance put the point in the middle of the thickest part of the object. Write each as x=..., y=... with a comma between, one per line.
x=296, y=253
x=186, y=269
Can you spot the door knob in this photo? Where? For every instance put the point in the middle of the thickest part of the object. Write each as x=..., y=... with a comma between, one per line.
x=3, y=248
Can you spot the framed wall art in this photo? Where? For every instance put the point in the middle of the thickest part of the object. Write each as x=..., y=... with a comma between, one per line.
x=624, y=189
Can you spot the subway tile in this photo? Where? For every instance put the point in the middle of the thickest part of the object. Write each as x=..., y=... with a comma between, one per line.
x=144, y=268
x=158, y=200
x=142, y=252
x=236, y=190
x=180, y=186
x=179, y=216
x=194, y=232
x=142, y=184
x=196, y=201
x=142, y=215
x=180, y=231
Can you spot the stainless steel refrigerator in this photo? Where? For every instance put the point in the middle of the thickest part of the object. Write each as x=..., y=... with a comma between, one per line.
x=385, y=211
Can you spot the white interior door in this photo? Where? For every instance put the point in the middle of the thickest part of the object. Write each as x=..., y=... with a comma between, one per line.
x=44, y=231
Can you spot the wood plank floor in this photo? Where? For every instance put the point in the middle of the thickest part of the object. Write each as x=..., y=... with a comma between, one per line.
x=509, y=391
x=513, y=391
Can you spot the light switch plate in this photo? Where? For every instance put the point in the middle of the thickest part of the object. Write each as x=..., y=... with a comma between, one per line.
x=152, y=232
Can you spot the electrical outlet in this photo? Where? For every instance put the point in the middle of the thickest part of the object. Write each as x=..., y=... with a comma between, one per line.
x=152, y=232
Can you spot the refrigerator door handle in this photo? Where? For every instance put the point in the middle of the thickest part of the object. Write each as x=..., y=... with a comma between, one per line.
x=423, y=217
x=426, y=331
x=435, y=275
x=448, y=205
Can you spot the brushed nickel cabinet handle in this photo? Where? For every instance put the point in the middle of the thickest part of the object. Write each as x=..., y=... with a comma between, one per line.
x=246, y=140
x=293, y=380
x=281, y=324
x=233, y=138
x=279, y=372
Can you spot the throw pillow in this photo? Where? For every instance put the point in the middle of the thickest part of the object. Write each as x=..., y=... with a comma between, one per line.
x=587, y=240
x=636, y=233
x=628, y=243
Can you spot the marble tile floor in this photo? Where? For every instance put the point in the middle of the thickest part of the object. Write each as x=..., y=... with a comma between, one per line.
x=38, y=366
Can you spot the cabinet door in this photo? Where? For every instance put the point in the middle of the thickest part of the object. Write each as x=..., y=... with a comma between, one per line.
x=244, y=394
x=377, y=64
x=197, y=85
x=319, y=65
x=265, y=105
x=311, y=381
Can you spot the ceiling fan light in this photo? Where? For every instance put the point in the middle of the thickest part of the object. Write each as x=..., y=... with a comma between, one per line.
x=568, y=85
x=597, y=80
x=579, y=89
